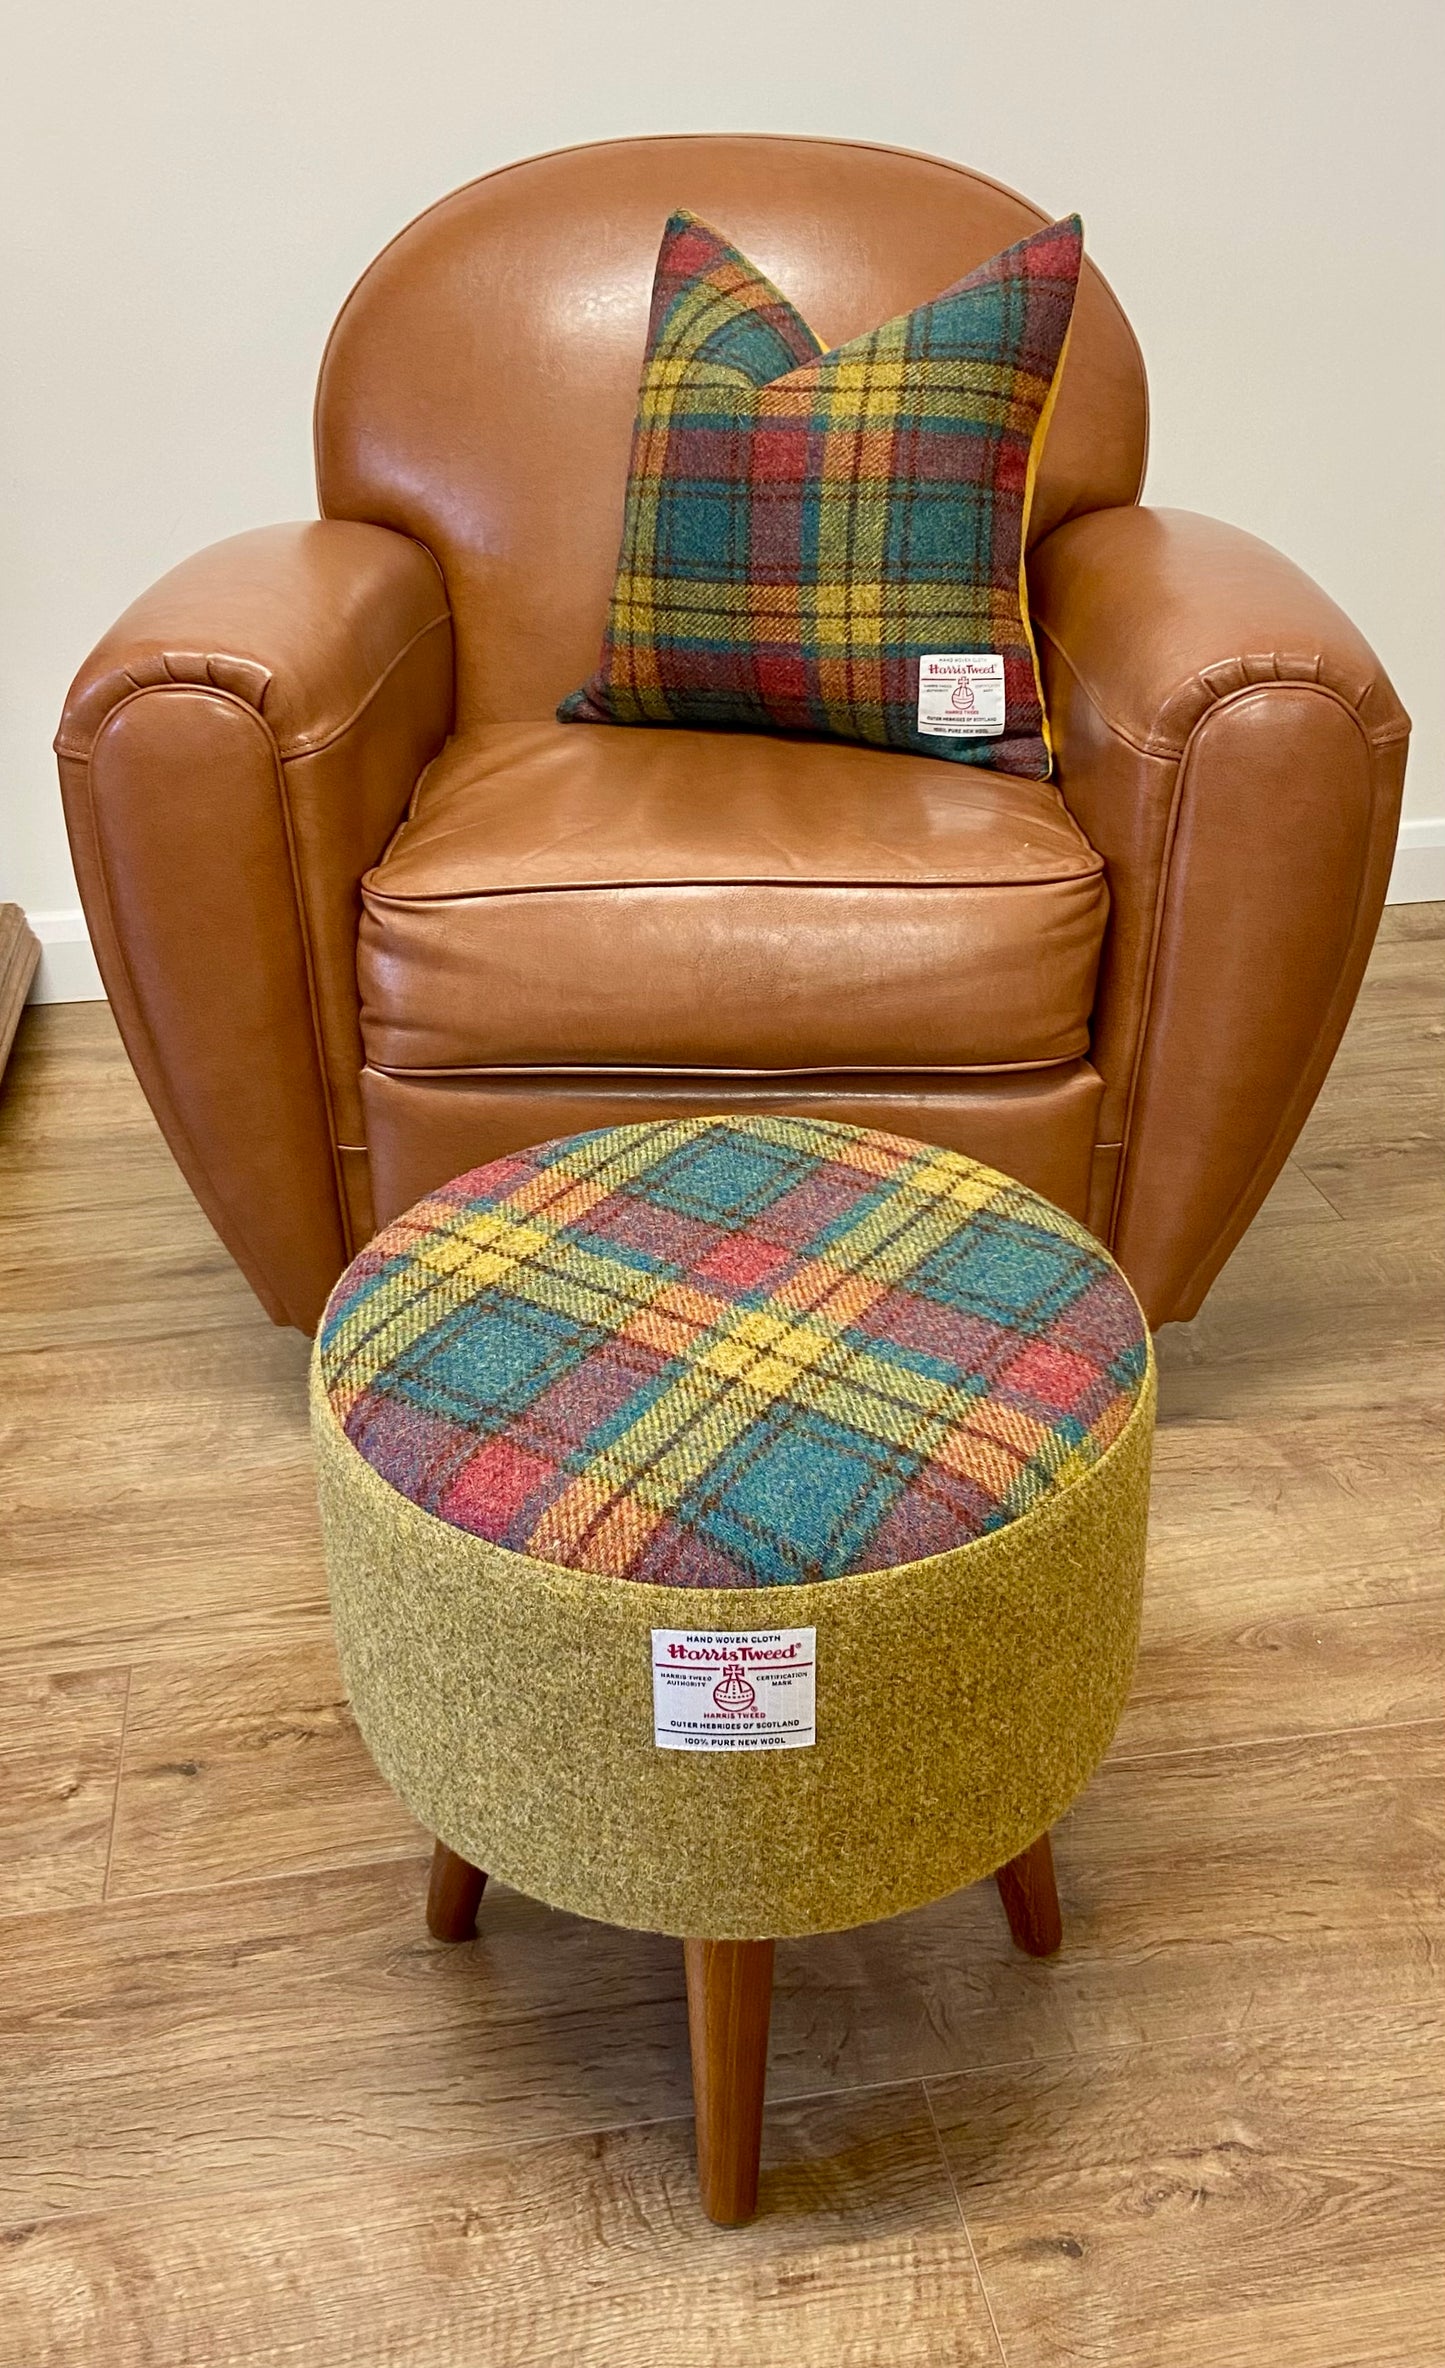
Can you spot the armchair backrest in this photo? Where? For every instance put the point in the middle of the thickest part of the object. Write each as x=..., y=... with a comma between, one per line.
x=478, y=388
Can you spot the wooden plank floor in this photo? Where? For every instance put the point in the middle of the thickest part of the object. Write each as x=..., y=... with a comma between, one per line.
x=252, y=2115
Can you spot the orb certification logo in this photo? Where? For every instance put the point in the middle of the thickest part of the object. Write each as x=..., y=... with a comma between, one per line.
x=733, y=1692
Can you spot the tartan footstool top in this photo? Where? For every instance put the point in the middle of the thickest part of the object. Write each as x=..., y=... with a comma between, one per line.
x=732, y=1352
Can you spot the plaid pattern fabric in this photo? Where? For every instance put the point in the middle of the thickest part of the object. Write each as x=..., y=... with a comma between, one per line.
x=802, y=528
x=732, y=1352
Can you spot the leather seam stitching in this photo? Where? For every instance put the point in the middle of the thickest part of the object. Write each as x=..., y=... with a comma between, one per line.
x=1172, y=751
x=780, y=139
x=1221, y=1231
x=396, y=901
x=79, y=751
x=303, y=918
x=122, y=958
x=308, y=955
x=1146, y=1000
x=589, y=1070
x=308, y=951
x=122, y=964
x=294, y=751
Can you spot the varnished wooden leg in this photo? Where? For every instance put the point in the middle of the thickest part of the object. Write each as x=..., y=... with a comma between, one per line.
x=729, y=1999
x=453, y=1896
x=1031, y=1899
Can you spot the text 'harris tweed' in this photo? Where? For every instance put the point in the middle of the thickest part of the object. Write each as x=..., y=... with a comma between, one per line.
x=731, y=1352
x=802, y=528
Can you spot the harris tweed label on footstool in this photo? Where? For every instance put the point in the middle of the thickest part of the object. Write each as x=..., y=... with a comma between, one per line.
x=732, y=1352
x=721, y=1689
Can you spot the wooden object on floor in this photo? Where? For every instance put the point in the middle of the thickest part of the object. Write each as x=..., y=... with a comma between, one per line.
x=19, y=956
x=453, y=1896
x=1030, y=1898
x=729, y=2002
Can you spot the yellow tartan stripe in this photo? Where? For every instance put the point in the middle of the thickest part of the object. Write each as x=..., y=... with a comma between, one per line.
x=376, y=1332
x=620, y=1153
x=915, y=1417
x=485, y=1244
x=376, y=1335
x=892, y=1239
x=742, y=1348
x=741, y=1363
x=858, y=371
x=467, y=1250
x=685, y=606
x=678, y=1438
x=741, y=1359
x=873, y=1154
x=724, y=1392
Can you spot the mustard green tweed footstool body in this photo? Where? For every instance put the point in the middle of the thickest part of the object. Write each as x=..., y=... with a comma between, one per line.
x=735, y=1526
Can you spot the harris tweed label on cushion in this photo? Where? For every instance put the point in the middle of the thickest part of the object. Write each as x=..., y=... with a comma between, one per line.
x=732, y=1352
x=802, y=529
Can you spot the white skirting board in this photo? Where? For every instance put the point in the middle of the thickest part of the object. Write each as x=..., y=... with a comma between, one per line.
x=1419, y=873
x=68, y=974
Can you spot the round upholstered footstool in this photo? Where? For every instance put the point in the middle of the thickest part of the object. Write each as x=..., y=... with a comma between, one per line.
x=735, y=1528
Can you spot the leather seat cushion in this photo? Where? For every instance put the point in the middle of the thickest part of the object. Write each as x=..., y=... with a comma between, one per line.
x=563, y=897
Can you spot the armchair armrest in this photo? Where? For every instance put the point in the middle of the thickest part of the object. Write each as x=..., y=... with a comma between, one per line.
x=233, y=755
x=1234, y=750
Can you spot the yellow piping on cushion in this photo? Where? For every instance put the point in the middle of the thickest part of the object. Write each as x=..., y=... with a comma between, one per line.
x=1030, y=481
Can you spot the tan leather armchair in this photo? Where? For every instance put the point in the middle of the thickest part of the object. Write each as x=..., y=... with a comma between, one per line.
x=367, y=915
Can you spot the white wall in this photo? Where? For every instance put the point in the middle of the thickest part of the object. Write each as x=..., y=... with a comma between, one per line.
x=188, y=193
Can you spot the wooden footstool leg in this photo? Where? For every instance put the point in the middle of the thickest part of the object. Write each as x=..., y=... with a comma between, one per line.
x=453, y=1896
x=1031, y=1899
x=729, y=1999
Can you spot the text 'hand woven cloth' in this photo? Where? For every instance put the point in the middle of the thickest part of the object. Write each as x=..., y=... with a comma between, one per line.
x=855, y=1401
x=834, y=542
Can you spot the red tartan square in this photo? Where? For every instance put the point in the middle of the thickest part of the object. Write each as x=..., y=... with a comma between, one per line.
x=741, y=1262
x=492, y=1487
x=1049, y=1373
x=782, y=675
x=780, y=455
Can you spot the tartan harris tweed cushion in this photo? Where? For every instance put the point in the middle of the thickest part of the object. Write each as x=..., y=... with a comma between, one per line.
x=813, y=541
x=732, y=1352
